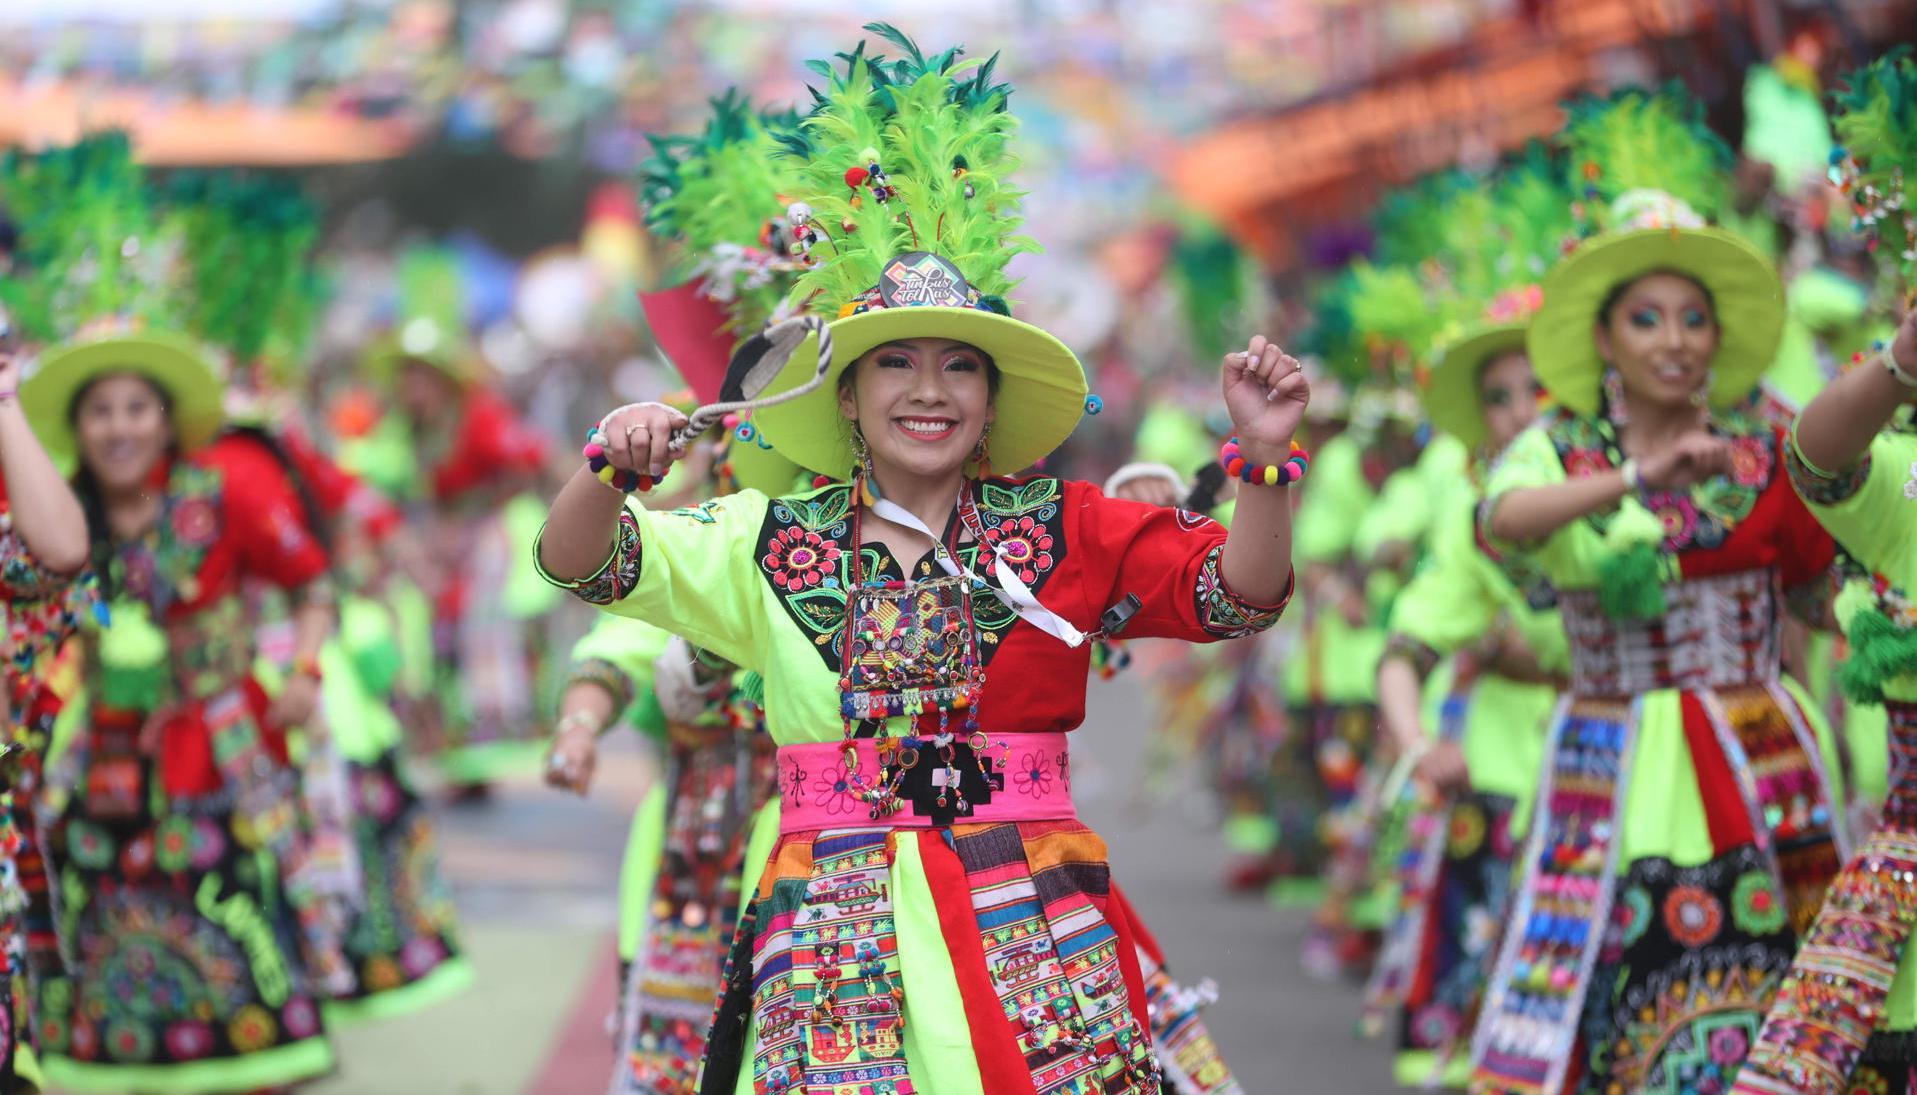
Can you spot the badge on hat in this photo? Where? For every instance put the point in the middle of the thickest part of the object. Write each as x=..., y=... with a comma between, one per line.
x=920, y=279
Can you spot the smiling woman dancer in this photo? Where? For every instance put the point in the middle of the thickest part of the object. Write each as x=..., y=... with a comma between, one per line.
x=1683, y=835
x=918, y=687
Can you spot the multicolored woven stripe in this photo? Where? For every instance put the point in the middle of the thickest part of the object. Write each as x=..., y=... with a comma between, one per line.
x=1419, y=867
x=1529, y=1026
x=1834, y=996
x=829, y=999
x=1053, y=959
x=1185, y=1047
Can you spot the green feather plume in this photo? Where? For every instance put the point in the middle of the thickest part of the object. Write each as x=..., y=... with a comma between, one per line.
x=937, y=126
x=90, y=247
x=1533, y=213
x=1876, y=122
x=724, y=193
x=1333, y=336
x=1394, y=305
x=1631, y=574
x=246, y=246
x=1217, y=286
x=1880, y=651
x=1645, y=140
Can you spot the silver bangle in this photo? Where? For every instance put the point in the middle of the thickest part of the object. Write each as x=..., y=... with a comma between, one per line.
x=1628, y=470
x=1896, y=371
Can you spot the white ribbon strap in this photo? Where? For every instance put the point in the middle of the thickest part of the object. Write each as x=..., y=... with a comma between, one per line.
x=1015, y=593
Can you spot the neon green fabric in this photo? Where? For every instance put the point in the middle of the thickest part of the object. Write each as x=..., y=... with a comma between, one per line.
x=1663, y=812
x=1456, y=598
x=447, y=980
x=938, y=1038
x=1335, y=502
x=1819, y=304
x=413, y=623
x=1876, y=526
x=363, y=726
x=527, y=595
x=1169, y=434
x=639, y=871
x=1786, y=127
x=269, y=1068
x=1336, y=663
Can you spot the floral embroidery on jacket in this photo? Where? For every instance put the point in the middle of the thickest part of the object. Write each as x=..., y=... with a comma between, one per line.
x=1700, y=517
x=1225, y=614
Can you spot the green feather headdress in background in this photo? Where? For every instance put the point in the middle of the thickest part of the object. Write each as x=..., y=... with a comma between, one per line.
x=937, y=130
x=722, y=195
x=1219, y=290
x=1636, y=141
x=1876, y=122
x=91, y=248
x=246, y=241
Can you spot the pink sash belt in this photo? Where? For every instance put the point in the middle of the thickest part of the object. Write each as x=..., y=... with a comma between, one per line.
x=831, y=785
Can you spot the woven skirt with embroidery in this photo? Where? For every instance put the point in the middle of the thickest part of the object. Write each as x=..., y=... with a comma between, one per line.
x=985, y=958
x=401, y=940
x=1679, y=848
x=690, y=909
x=1844, y=1020
x=182, y=953
x=1315, y=779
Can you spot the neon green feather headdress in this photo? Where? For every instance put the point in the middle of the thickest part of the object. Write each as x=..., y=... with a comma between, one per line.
x=1877, y=123
x=98, y=279
x=246, y=241
x=1651, y=175
x=906, y=216
x=1636, y=141
x=722, y=195
x=1218, y=286
x=90, y=249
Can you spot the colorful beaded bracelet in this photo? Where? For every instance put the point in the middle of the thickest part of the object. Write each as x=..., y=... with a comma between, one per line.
x=617, y=478
x=1270, y=475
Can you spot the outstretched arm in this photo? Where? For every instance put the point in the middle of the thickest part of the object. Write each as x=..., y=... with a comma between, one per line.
x=584, y=518
x=1838, y=425
x=45, y=511
x=1266, y=393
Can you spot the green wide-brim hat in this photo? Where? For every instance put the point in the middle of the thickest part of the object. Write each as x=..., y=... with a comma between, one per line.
x=176, y=363
x=1041, y=391
x=756, y=467
x=1451, y=398
x=1745, y=289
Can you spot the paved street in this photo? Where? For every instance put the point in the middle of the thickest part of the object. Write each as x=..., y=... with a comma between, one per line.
x=536, y=873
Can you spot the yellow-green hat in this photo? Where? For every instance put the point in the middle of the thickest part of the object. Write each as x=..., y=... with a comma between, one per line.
x=1451, y=397
x=907, y=222
x=177, y=364
x=1662, y=235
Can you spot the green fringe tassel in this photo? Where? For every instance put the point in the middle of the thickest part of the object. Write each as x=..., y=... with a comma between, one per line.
x=1631, y=578
x=133, y=654
x=1879, y=652
x=1631, y=585
x=752, y=687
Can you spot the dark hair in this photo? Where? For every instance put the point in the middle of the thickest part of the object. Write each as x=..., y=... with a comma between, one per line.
x=1617, y=293
x=992, y=375
x=316, y=520
x=86, y=486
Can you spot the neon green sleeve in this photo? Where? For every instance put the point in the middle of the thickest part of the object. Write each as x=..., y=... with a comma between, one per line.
x=1335, y=501
x=1401, y=514
x=1446, y=605
x=1569, y=555
x=691, y=572
x=1876, y=522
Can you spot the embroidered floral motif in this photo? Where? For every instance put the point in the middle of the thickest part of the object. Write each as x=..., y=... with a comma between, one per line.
x=1034, y=775
x=1225, y=614
x=1692, y=916
x=834, y=792
x=804, y=554
x=1701, y=517
x=797, y=558
x=1024, y=544
x=1756, y=906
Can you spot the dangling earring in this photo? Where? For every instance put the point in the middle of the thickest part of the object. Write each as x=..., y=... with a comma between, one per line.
x=982, y=455
x=1701, y=398
x=1613, y=385
x=862, y=468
